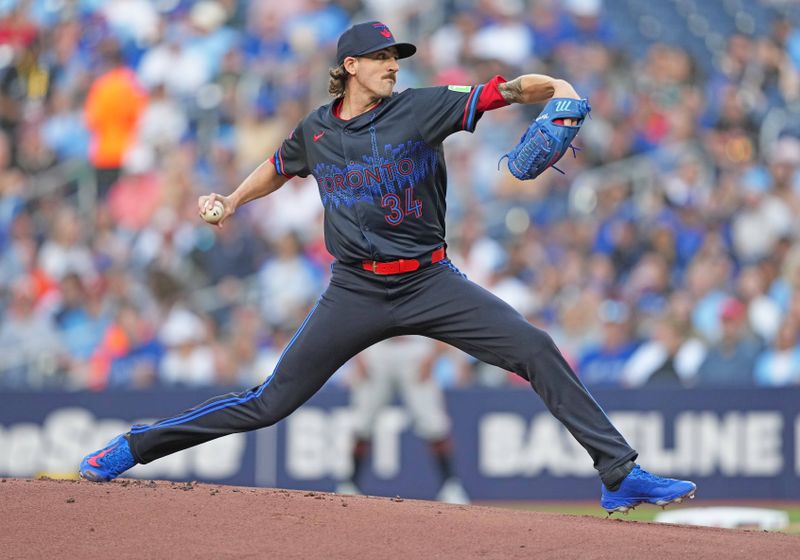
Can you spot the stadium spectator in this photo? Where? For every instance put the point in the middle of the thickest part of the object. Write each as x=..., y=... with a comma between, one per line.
x=763, y=312
x=188, y=359
x=604, y=364
x=63, y=131
x=699, y=209
x=17, y=27
x=165, y=244
x=587, y=24
x=65, y=250
x=27, y=336
x=731, y=360
x=136, y=196
x=113, y=107
x=79, y=316
x=232, y=253
x=670, y=358
x=295, y=211
x=575, y=325
x=779, y=365
x=473, y=252
x=706, y=280
x=12, y=186
x=174, y=66
x=289, y=283
x=134, y=363
x=246, y=353
x=163, y=122
x=25, y=83
x=503, y=36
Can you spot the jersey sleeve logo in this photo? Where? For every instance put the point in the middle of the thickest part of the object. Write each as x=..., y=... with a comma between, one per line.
x=318, y=135
x=460, y=89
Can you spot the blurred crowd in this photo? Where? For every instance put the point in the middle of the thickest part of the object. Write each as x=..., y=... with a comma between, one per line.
x=116, y=116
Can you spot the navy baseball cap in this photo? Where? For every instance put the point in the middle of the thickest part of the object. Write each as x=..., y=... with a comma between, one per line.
x=369, y=37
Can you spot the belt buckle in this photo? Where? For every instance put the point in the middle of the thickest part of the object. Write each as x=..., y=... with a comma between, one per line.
x=375, y=267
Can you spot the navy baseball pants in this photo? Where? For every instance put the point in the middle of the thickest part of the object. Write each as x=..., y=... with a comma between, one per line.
x=360, y=308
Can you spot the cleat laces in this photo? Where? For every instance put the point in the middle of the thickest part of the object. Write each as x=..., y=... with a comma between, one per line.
x=644, y=476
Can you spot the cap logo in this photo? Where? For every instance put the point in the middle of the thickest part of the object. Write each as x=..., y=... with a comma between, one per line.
x=382, y=29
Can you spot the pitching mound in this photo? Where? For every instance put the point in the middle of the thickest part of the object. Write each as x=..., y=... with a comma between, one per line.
x=135, y=519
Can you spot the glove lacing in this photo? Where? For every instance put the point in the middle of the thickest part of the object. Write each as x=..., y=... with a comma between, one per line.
x=542, y=155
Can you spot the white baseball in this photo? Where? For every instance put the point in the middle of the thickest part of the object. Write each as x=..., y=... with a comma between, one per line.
x=213, y=215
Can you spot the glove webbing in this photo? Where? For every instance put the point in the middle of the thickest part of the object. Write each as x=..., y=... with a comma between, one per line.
x=542, y=155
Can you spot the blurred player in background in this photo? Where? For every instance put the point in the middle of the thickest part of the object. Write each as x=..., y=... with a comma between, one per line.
x=403, y=365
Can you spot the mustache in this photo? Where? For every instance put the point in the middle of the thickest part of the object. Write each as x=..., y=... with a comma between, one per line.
x=391, y=76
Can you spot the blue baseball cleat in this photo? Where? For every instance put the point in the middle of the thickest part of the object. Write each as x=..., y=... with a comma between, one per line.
x=108, y=462
x=642, y=487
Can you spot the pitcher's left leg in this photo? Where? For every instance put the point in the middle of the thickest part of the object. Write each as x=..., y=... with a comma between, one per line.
x=446, y=306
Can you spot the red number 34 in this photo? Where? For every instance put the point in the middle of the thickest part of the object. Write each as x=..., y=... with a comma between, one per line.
x=397, y=213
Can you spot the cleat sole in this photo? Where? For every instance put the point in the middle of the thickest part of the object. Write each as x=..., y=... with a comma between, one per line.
x=624, y=509
x=92, y=476
x=678, y=500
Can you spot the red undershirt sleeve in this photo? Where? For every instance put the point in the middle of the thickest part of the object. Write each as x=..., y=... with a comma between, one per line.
x=490, y=97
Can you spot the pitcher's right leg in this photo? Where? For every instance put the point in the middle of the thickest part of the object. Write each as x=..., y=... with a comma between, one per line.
x=330, y=335
x=346, y=320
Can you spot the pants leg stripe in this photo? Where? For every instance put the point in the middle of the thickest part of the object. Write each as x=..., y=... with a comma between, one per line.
x=449, y=264
x=233, y=401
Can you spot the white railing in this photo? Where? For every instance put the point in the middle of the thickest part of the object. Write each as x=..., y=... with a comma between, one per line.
x=642, y=172
x=77, y=172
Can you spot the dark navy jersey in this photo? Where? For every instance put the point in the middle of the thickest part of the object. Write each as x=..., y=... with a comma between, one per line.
x=381, y=175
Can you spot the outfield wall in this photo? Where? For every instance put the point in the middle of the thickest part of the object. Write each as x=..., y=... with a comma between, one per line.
x=742, y=444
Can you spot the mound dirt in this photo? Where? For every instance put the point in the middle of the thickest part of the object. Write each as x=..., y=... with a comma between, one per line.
x=146, y=519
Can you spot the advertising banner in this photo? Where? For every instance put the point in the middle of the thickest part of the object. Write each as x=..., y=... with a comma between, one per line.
x=736, y=444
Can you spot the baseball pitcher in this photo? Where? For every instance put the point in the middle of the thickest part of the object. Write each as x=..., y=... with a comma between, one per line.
x=377, y=158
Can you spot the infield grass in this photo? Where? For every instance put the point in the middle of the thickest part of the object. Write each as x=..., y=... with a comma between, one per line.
x=643, y=513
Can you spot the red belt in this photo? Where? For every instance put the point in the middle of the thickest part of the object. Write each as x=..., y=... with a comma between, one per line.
x=403, y=265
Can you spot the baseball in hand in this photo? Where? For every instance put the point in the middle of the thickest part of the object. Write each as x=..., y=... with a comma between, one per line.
x=214, y=214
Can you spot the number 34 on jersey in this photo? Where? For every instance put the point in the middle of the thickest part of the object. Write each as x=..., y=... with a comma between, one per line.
x=399, y=209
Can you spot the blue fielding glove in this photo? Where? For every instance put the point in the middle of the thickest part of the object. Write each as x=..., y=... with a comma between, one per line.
x=547, y=138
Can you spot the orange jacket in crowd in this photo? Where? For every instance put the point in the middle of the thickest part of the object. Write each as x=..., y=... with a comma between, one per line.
x=113, y=107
